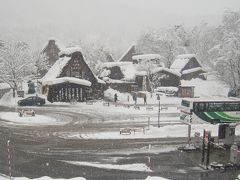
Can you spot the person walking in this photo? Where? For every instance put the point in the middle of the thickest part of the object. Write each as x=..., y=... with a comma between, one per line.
x=145, y=99
x=115, y=97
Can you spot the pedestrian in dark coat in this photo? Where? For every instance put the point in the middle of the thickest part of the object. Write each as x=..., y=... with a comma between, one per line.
x=145, y=99
x=115, y=97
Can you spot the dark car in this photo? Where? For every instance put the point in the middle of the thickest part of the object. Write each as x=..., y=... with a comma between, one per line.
x=32, y=101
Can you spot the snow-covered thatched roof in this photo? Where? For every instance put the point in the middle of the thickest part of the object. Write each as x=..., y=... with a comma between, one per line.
x=70, y=50
x=128, y=54
x=127, y=68
x=158, y=69
x=69, y=80
x=146, y=57
x=181, y=61
x=188, y=71
x=56, y=69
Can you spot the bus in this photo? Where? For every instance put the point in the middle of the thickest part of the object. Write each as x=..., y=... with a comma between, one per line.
x=214, y=111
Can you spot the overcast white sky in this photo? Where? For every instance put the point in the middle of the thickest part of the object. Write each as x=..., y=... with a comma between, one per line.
x=118, y=20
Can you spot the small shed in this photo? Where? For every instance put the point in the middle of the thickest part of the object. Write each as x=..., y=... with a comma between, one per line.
x=186, y=91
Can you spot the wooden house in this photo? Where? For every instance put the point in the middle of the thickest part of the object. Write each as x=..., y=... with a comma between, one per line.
x=52, y=50
x=124, y=77
x=189, y=67
x=164, y=77
x=70, y=78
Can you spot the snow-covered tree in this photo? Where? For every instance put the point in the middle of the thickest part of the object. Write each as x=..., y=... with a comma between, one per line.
x=166, y=42
x=41, y=63
x=16, y=63
x=228, y=64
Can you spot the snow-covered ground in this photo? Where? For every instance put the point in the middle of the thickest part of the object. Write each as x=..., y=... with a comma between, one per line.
x=129, y=167
x=14, y=118
x=207, y=88
x=165, y=131
x=3, y=177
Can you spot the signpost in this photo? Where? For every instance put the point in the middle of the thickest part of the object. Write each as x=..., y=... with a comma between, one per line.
x=158, y=98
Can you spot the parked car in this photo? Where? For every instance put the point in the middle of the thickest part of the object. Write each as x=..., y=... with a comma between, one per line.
x=32, y=101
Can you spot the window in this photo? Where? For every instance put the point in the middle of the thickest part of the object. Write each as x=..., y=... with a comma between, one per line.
x=185, y=103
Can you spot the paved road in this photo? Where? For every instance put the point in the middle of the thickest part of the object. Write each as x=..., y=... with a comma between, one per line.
x=39, y=151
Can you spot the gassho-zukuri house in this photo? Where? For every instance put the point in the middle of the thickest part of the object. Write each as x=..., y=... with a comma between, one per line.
x=189, y=67
x=122, y=76
x=70, y=78
x=136, y=76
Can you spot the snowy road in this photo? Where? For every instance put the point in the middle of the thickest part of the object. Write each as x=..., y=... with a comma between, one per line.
x=40, y=150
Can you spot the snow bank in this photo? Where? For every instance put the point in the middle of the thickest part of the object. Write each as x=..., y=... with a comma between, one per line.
x=207, y=88
x=155, y=178
x=8, y=100
x=123, y=97
x=4, y=86
x=3, y=177
x=14, y=118
x=125, y=167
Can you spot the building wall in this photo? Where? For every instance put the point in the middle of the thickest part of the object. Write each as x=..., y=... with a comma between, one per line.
x=76, y=68
x=197, y=74
x=163, y=78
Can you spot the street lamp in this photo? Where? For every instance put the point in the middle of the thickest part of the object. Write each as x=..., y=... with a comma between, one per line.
x=158, y=98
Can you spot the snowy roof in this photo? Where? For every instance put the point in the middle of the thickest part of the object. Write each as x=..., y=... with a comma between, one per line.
x=127, y=68
x=56, y=69
x=188, y=71
x=125, y=53
x=70, y=50
x=181, y=61
x=58, y=66
x=112, y=64
x=116, y=81
x=4, y=86
x=100, y=81
x=146, y=56
x=69, y=80
x=158, y=69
